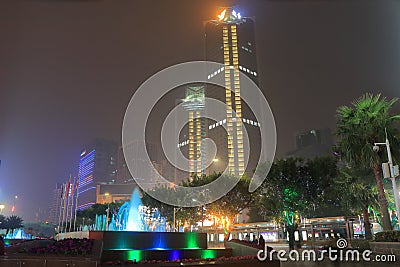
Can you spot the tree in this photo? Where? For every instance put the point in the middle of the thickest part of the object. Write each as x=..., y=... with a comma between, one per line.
x=3, y=222
x=233, y=203
x=13, y=222
x=295, y=187
x=359, y=126
x=225, y=208
x=88, y=216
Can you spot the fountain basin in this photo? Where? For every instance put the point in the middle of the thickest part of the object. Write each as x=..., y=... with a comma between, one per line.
x=137, y=246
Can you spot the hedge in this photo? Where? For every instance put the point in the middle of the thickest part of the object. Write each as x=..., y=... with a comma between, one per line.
x=388, y=236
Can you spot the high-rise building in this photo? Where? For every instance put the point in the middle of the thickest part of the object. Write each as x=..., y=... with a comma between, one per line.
x=143, y=173
x=97, y=165
x=230, y=40
x=54, y=214
x=194, y=103
x=313, y=143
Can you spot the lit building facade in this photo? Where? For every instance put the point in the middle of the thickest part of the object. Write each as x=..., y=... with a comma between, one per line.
x=230, y=40
x=97, y=165
x=114, y=193
x=195, y=105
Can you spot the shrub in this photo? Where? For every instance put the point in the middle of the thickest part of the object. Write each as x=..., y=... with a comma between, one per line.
x=388, y=236
x=360, y=244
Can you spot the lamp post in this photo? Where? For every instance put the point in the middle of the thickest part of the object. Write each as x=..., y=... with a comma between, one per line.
x=392, y=173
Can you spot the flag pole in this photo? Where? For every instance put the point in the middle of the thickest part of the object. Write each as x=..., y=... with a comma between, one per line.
x=72, y=204
x=63, y=206
x=76, y=201
x=59, y=206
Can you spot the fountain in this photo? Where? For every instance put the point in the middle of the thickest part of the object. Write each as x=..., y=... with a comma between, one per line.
x=137, y=233
x=132, y=216
x=135, y=222
x=18, y=234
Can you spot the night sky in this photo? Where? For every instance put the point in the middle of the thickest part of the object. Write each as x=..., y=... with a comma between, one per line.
x=69, y=68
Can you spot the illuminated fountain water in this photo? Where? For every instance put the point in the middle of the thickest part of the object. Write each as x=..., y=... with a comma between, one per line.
x=135, y=220
x=138, y=233
x=133, y=216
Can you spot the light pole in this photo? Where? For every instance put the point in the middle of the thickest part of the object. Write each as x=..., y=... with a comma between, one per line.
x=392, y=173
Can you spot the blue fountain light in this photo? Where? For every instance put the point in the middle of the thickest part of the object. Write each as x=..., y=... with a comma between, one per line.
x=133, y=216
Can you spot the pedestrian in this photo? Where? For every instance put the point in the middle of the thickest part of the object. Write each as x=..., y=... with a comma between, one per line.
x=2, y=249
x=261, y=241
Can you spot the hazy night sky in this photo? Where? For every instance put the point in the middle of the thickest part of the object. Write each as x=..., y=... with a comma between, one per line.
x=69, y=68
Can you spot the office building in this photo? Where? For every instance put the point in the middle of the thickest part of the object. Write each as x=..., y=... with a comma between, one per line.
x=313, y=143
x=230, y=40
x=97, y=165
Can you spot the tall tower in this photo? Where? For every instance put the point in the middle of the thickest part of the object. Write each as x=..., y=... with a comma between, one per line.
x=230, y=41
x=194, y=104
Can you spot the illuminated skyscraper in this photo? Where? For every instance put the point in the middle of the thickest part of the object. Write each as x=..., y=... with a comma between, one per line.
x=97, y=165
x=194, y=104
x=230, y=40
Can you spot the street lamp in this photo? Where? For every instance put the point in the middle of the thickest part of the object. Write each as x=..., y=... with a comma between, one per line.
x=392, y=173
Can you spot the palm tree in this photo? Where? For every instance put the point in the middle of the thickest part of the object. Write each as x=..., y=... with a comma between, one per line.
x=358, y=127
x=356, y=194
x=2, y=222
x=13, y=222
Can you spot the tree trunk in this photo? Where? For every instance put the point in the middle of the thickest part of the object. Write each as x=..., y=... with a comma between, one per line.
x=291, y=229
x=367, y=224
x=383, y=204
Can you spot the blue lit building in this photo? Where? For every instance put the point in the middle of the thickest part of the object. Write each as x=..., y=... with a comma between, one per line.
x=97, y=165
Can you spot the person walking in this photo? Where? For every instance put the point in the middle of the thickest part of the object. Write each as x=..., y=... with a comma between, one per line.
x=2, y=249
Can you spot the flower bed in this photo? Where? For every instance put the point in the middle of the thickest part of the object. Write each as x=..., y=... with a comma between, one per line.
x=66, y=247
x=167, y=262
